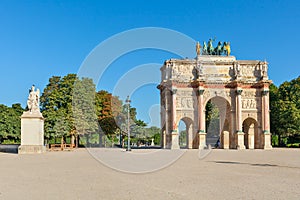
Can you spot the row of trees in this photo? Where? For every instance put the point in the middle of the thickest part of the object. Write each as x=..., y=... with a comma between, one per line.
x=10, y=124
x=285, y=113
x=74, y=112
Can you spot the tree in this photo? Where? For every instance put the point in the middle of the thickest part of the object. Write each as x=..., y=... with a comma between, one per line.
x=68, y=106
x=10, y=123
x=84, y=110
x=285, y=110
x=56, y=100
x=109, y=114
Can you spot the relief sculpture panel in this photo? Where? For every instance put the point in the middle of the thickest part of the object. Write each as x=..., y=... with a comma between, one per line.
x=249, y=104
x=184, y=102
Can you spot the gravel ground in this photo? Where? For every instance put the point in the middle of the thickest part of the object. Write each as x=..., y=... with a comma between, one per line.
x=221, y=174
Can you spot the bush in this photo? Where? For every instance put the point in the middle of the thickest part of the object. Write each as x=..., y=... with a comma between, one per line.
x=275, y=140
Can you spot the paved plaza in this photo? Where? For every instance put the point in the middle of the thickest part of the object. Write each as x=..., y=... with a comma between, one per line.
x=221, y=174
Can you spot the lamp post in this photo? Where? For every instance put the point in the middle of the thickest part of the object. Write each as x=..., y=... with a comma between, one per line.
x=128, y=122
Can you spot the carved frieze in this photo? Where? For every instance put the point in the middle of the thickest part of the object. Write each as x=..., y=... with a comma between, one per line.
x=182, y=73
x=248, y=70
x=185, y=102
x=249, y=104
x=249, y=93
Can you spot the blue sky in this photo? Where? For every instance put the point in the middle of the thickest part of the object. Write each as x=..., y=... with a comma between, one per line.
x=39, y=39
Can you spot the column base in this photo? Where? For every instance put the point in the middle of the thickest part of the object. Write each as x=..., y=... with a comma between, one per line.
x=240, y=141
x=225, y=140
x=202, y=140
x=267, y=142
x=175, y=140
x=31, y=149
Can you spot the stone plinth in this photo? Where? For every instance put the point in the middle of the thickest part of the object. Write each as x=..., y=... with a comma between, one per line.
x=267, y=137
x=202, y=140
x=225, y=140
x=32, y=133
x=175, y=140
x=240, y=140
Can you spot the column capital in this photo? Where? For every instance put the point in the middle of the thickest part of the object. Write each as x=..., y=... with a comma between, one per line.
x=265, y=91
x=239, y=91
x=201, y=132
x=200, y=91
x=173, y=91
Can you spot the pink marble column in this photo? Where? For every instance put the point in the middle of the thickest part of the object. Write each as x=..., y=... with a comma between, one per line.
x=201, y=119
x=175, y=134
x=174, y=118
x=266, y=110
x=266, y=119
x=239, y=124
x=239, y=110
x=167, y=130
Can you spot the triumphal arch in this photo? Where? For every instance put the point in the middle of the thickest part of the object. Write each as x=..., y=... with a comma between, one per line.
x=239, y=88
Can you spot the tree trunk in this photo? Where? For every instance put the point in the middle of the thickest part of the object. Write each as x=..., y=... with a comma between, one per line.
x=72, y=140
x=100, y=140
x=62, y=143
x=77, y=141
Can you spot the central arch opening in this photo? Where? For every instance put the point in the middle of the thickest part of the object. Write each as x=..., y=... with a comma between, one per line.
x=217, y=119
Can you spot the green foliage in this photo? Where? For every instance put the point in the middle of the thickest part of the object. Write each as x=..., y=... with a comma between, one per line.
x=275, y=140
x=56, y=106
x=84, y=106
x=212, y=119
x=285, y=110
x=143, y=135
x=10, y=124
x=140, y=123
x=183, y=139
x=157, y=139
x=62, y=118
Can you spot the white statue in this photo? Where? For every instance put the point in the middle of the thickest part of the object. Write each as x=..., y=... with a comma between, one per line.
x=33, y=101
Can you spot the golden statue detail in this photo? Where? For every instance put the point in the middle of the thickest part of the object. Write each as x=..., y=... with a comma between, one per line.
x=227, y=48
x=198, y=47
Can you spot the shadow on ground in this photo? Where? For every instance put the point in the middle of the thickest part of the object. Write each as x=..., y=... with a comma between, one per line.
x=253, y=164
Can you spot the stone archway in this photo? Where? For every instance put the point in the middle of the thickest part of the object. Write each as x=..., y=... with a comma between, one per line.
x=187, y=85
x=223, y=128
x=252, y=138
x=189, y=131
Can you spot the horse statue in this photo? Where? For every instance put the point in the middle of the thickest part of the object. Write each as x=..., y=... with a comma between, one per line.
x=218, y=50
x=204, y=49
x=210, y=48
x=226, y=48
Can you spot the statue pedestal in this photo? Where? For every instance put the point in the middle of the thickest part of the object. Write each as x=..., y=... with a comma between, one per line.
x=32, y=133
